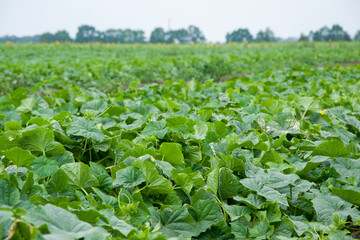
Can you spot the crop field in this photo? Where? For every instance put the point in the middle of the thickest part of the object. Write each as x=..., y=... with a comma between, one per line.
x=235, y=141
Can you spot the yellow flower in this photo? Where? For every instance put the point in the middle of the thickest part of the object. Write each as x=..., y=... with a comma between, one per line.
x=245, y=41
x=321, y=112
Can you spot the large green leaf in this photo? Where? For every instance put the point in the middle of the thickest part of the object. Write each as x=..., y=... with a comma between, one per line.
x=332, y=148
x=349, y=193
x=80, y=175
x=94, y=106
x=158, y=128
x=326, y=205
x=262, y=229
x=9, y=194
x=5, y=223
x=172, y=153
x=128, y=177
x=19, y=156
x=41, y=141
x=58, y=182
x=347, y=168
x=207, y=214
x=116, y=224
x=44, y=167
x=176, y=221
x=240, y=231
x=60, y=222
x=85, y=128
x=26, y=105
x=156, y=184
x=222, y=183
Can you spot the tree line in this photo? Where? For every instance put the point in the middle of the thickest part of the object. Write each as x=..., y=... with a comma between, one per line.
x=192, y=34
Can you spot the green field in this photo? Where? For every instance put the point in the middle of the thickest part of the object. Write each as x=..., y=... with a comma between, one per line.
x=111, y=67
x=92, y=146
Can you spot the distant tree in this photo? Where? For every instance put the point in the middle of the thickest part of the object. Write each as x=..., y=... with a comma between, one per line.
x=114, y=36
x=196, y=34
x=24, y=39
x=62, y=36
x=266, y=36
x=191, y=34
x=323, y=34
x=303, y=37
x=157, y=35
x=338, y=34
x=128, y=36
x=357, y=36
x=47, y=38
x=240, y=35
x=178, y=36
x=87, y=33
x=138, y=36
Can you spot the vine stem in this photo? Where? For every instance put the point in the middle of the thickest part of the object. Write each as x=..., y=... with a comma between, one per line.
x=84, y=149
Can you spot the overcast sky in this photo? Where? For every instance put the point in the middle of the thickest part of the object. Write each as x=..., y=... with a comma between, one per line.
x=287, y=18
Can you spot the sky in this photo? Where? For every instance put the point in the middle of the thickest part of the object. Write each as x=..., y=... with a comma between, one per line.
x=287, y=18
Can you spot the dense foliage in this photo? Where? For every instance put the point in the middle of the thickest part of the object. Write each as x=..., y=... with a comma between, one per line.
x=273, y=155
x=111, y=67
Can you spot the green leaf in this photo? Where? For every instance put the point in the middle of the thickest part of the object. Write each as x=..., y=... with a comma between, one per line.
x=332, y=148
x=212, y=182
x=12, y=125
x=44, y=167
x=85, y=128
x=326, y=205
x=9, y=194
x=240, y=231
x=223, y=183
x=184, y=181
x=60, y=222
x=262, y=229
x=19, y=156
x=176, y=221
x=26, y=105
x=116, y=224
x=308, y=104
x=271, y=156
x=207, y=214
x=80, y=175
x=156, y=184
x=305, y=167
x=269, y=193
x=193, y=153
x=41, y=141
x=94, y=106
x=273, y=106
x=58, y=182
x=157, y=128
x=200, y=130
x=172, y=153
x=228, y=184
x=346, y=167
x=128, y=177
x=6, y=219
x=235, y=212
x=349, y=193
